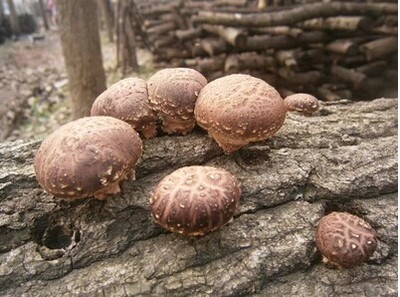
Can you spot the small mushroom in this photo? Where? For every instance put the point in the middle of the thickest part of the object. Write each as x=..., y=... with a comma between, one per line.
x=128, y=100
x=238, y=109
x=173, y=93
x=304, y=103
x=195, y=200
x=345, y=240
x=88, y=157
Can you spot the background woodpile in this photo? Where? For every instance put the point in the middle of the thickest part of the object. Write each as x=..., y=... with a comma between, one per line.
x=350, y=52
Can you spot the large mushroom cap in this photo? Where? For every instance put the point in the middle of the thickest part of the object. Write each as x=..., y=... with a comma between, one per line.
x=128, y=100
x=195, y=200
x=173, y=93
x=345, y=239
x=87, y=157
x=238, y=109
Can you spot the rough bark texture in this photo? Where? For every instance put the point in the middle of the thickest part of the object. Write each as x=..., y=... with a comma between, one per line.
x=44, y=15
x=15, y=27
x=298, y=14
x=344, y=158
x=108, y=16
x=82, y=53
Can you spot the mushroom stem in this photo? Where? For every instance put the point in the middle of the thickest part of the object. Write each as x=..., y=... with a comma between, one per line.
x=229, y=145
x=112, y=188
x=149, y=131
x=172, y=125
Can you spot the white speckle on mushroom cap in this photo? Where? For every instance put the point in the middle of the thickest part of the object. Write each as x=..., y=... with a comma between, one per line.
x=206, y=203
x=238, y=109
x=301, y=102
x=128, y=100
x=345, y=240
x=88, y=157
x=173, y=93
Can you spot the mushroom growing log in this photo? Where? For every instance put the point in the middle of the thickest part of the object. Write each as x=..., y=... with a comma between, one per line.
x=295, y=15
x=95, y=248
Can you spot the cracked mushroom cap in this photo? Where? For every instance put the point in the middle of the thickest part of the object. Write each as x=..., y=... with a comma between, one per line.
x=304, y=103
x=345, y=240
x=173, y=93
x=128, y=100
x=195, y=200
x=238, y=109
x=88, y=157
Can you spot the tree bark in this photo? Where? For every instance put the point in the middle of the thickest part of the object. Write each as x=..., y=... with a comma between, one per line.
x=1, y=11
x=82, y=53
x=44, y=15
x=296, y=15
x=379, y=48
x=343, y=159
x=347, y=23
x=15, y=26
x=108, y=15
x=262, y=42
x=231, y=35
x=126, y=38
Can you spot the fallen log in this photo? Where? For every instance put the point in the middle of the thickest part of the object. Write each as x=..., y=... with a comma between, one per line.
x=231, y=35
x=87, y=247
x=357, y=79
x=249, y=61
x=348, y=46
x=262, y=42
x=379, y=48
x=373, y=68
x=347, y=23
x=188, y=34
x=206, y=65
x=296, y=14
x=213, y=46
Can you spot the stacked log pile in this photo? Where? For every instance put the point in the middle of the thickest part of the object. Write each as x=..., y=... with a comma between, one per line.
x=330, y=49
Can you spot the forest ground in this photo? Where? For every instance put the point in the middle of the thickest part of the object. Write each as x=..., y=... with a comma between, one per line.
x=34, y=84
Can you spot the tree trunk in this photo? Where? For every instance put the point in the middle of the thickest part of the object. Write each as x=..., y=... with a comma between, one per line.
x=82, y=53
x=1, y=11
x=44, y=15
x=126, y=39
x=108, y=16
x=15, y=27
x=342, y=159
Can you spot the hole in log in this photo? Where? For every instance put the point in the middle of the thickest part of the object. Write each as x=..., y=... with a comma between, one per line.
x=58, y=237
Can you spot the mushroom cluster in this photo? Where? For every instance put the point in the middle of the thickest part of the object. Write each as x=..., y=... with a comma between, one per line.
x=92, y=156
x=195, y=200
x=88, y=157
x=345, y=240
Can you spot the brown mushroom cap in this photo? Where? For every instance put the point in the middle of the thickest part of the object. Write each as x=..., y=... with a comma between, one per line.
x=173, y=93
x=238, y=109
x=87, y=157
x=345, y=239
x=304, y=103
x=128, y=100
x=195, y=200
